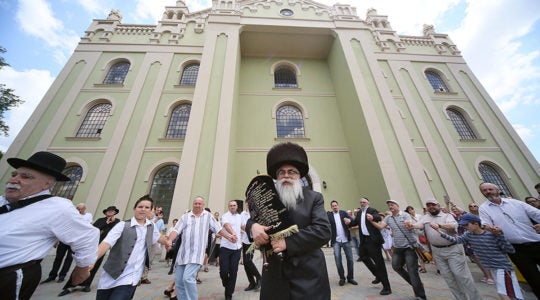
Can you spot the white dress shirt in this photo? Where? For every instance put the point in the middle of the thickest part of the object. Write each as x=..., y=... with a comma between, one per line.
x=341, y=237
x=135, y=265
x=245, y=217
x=88, y=217
x=235, y=220
x=30, y=232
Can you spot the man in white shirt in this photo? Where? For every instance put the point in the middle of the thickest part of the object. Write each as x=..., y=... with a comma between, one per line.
x=130, y=243
x=341, y=239
x=23, y=245
x=190, y=255
x=230, y=251
x=81, y=207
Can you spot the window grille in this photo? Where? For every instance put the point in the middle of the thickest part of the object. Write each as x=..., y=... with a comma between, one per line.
x=67, y=189
x=95, y=121
x=189, y=75
x=162, y=189
x=178, y=123
x=463, y=128
x=289, y=122
x=117, y=73
x=436, y=82
x=285, y=77
x=490, y=174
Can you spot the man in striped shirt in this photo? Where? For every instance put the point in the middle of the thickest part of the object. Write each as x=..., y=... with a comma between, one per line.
x=404, y=243
x=193, y=226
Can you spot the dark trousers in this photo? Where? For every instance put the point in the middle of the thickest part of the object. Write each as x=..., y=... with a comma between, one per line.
x=88, y=280
x=408, y=257
x=252, y=272
x=121, y=292
x=527, y=259
x=31, y=275
x=371, y=255
x=228, y=268
x=62, y=250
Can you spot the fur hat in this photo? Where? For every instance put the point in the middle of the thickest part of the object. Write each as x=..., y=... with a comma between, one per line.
x=287, y=153
x=44, y=162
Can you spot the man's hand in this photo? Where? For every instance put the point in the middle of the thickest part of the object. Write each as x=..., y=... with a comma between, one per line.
x=79, y=275
x=232, y=238
x=258, y=232
x=537, y=228
x=279, y=245
x=369, y=217
x=347, y=221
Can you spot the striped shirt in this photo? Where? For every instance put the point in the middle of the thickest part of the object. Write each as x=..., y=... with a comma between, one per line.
x=403, y=238
x=194, y=232
x=489, y=248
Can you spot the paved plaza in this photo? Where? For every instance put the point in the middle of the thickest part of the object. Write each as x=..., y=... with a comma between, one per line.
x=211, y=287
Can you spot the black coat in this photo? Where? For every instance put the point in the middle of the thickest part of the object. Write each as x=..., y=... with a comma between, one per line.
x=302, y=273
x=342, y=214
x=374, y=233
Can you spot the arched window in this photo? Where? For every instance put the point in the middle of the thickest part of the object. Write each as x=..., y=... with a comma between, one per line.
x=189, y=75
x=490, y=174
x=67, y=189
x=461, y=124
x=94, y=121
x=436, y=82
x=289, y=122
x=162, y=189
x=285, y=77
x=178, y=122
x=117, y=73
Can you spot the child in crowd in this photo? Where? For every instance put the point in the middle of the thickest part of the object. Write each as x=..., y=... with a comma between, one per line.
x=491, y=250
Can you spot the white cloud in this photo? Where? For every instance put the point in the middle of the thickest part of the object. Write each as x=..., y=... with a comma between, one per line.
x=95, y=7
x=36, y=18
x=151, y=9
x=21, y=81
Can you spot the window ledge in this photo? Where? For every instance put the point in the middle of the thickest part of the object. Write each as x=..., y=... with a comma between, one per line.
x=304, y=139
x=286, y=88
x=183, y=86
x=169, y=140
x=472, y=140
x=80, y=138
x=114, y=85
x=445, y=93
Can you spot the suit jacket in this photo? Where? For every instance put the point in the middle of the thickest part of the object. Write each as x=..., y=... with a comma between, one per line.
x=342, y=214
x=375, y=235
x=301, y=273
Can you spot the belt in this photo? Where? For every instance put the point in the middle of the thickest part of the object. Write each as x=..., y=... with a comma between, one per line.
x=19, y=266
x=445, y=246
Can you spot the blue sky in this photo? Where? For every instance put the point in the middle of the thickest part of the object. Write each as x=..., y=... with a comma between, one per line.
x=499, y=39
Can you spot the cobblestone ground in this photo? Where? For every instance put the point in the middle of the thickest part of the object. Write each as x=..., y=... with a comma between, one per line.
x=211, y=287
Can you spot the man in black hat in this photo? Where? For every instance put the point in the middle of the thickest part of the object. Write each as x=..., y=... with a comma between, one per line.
x=301, y=272
x=33, y=221
x=104, y=225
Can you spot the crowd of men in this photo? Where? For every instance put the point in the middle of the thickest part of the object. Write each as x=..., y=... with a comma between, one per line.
x=295, y=266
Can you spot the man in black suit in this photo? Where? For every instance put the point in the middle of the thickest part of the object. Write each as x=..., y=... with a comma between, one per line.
x=370, y=244
x=341, y=238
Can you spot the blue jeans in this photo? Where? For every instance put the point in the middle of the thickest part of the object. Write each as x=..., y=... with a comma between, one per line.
x=121, y=292
x=348, y=255
x=407, y=256
x=185, y=283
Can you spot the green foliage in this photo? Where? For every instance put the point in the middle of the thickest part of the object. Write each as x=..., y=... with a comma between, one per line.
x=8, y=99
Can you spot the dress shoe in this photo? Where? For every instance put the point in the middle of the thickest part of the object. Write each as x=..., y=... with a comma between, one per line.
x=341, y=282
x=250, y=287
x=258, y=284
x=49, y=279
x=170, y=272
x=60, y=280
x=385, y=292
x=352, y=281
x=86, y=289
x=376, y=281
x=145, y=281
x=359, y=259
x=64, y=292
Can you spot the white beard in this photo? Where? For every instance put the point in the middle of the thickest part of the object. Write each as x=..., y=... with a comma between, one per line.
x=289, y=193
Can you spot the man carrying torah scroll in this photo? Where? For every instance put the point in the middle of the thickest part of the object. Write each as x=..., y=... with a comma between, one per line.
x=299, y=271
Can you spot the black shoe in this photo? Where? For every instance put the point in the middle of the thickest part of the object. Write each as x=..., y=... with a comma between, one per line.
x=174, y=298
x=60, y=280
x=352, y=281
x=258, y=284
x=341, y=282
x=64, y=292
x=250, y=287
x=86, y=289
x=359, y=259
x=167, y=293
x=49, y=279
x=376, y=281
x=170, y=272
x=385, y=292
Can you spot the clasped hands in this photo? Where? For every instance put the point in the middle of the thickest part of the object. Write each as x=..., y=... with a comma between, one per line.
x=260, y=237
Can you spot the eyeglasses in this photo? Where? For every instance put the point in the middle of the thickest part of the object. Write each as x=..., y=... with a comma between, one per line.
x=290, y=172
x=22, y=175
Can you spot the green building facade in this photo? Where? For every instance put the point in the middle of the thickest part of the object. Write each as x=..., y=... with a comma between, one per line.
x=190, y=107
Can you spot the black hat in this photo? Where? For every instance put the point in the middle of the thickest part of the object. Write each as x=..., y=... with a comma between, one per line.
x=44, y=162
x=111, y=208
x=287, y=153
